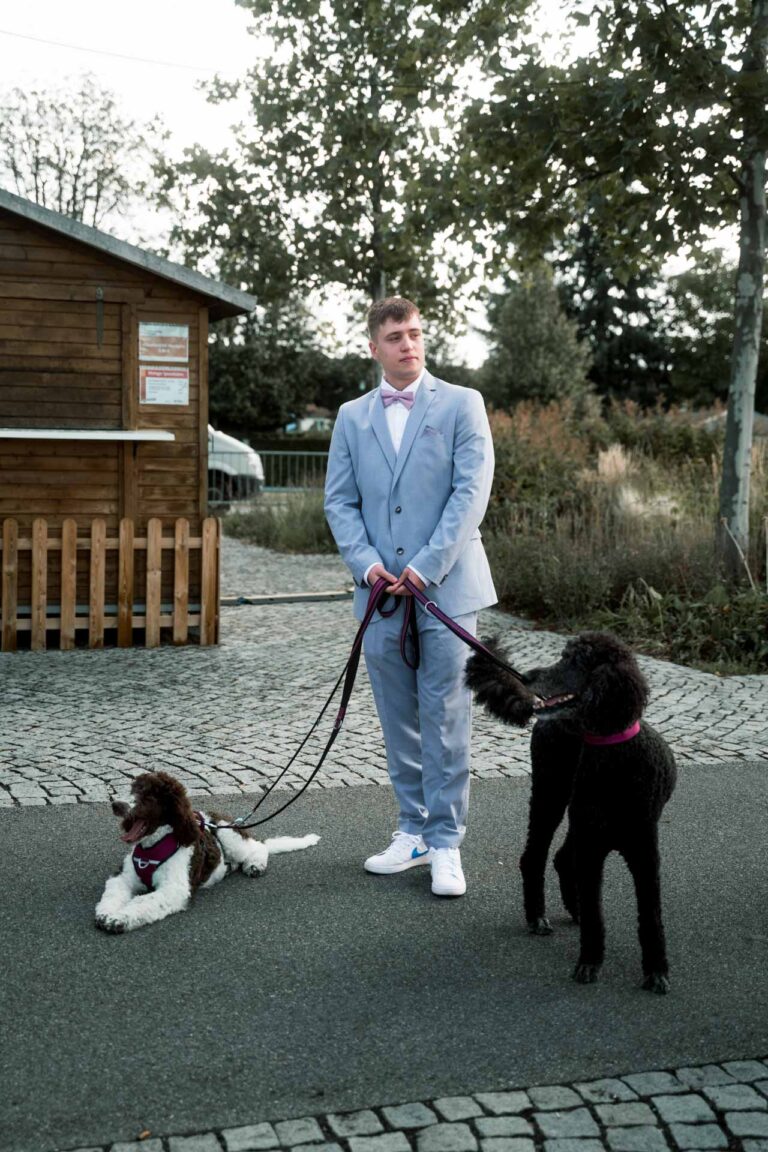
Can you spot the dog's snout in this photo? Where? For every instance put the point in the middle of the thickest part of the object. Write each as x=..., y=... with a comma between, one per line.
x=120, y=808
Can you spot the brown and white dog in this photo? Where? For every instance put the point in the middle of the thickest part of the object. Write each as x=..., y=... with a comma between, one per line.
x=175, y=851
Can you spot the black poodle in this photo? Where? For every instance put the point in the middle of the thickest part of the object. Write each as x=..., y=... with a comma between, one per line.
x=592, y=754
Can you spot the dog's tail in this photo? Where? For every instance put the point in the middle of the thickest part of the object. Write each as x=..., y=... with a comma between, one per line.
x=290, y=843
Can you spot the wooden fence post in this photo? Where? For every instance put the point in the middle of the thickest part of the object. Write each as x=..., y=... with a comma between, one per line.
x=39, y=563
x=209, y=606
x=181, y=583
x=68, y=583
x=39, y=545
x=10, y=583
x=154, y=577
x=98, y=570
x=125, y=585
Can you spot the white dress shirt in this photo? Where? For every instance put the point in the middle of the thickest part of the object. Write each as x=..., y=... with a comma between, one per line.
x=397, y=414
x=397, y=417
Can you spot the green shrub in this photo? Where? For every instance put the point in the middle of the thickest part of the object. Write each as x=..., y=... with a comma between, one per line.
x=296, y=524
x=725, y=631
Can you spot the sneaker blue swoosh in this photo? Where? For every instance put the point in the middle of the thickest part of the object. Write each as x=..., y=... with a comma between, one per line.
x=415, y=854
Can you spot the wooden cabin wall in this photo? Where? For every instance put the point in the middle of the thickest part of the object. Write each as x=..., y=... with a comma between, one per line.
x=57, y=370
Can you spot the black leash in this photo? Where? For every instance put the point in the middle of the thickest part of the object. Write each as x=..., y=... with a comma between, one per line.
x=348, y=675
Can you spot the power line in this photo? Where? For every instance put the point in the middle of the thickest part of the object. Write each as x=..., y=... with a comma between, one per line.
x=103, y=52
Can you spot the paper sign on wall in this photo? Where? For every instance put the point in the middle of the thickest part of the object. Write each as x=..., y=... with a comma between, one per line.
x=164, y=342
x=163, y=385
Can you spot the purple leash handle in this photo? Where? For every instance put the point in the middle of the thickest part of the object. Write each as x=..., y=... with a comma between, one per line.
x=467, y=637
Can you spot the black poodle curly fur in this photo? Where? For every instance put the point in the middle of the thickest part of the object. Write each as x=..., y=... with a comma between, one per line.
x=614, y=793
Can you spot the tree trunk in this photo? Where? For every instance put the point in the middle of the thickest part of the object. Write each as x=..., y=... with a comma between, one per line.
x=733, y=529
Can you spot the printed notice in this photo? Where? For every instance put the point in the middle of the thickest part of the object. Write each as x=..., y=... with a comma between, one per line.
x=163, y=385
x=164, y=342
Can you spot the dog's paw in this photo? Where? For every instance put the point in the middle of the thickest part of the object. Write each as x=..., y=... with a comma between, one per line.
x=110, y=924
x=586, y=973
x=256, y=864
x=540, y=927
x=657, y=982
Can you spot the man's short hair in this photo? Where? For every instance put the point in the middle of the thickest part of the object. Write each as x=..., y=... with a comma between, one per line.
x=391, y=308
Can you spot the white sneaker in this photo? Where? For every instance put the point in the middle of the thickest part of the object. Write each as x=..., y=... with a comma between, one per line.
x=447, y=876
x=405, y=851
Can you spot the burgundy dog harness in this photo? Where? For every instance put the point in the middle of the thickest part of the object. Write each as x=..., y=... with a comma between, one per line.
x=146, y=861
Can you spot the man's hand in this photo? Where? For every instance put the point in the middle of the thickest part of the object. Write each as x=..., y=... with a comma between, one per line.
x=398, y=588
x=377, y=572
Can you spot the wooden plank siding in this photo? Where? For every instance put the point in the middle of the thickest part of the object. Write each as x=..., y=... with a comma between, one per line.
x=69, y=316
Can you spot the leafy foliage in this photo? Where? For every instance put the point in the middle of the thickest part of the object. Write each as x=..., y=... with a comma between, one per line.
x=71, y=149
x=724, y=631
x=298, y=525
x=640, y=139
x=619, y=317
x=265, y=371
x=535, y=352
x=657, y=137
x=700, y=334
x=333, y=178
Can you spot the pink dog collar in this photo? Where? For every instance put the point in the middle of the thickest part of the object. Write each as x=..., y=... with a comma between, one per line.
x=616, y=738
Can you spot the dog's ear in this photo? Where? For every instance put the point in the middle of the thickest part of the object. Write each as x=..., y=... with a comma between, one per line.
x=614, y=698
x=502, y=694
x=177, y=809
x=186, y=828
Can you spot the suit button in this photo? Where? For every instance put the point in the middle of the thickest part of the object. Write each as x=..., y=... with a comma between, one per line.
x=398, y=509
x=400, y=551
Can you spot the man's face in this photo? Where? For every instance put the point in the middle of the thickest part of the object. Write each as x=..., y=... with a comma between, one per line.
x=399, y=348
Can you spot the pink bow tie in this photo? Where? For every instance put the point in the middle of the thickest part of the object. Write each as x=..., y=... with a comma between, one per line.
x=406, y=398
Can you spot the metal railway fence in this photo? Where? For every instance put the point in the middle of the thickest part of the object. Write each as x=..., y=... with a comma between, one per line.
x=233, y=476
x=286, y=471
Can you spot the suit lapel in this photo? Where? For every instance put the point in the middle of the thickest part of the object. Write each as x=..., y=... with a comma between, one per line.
x=380, y=429
x=424, y=398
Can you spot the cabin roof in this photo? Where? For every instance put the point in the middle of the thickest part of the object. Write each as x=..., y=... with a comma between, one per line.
x=223, y=300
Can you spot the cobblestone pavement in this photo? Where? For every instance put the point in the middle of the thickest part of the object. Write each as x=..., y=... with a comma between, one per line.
x=711, y=1107
x=77, y=726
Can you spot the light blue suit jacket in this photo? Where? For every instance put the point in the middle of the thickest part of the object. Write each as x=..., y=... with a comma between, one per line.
x=422, y=506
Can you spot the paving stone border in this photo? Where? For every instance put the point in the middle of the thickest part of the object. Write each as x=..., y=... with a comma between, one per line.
x=78, y=726
x=714, y=1107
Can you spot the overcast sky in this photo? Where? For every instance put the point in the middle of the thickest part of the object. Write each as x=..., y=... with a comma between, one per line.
x=199, y=37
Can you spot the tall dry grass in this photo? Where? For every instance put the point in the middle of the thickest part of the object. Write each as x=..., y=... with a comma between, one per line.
x=588, y=531
x=600, y=518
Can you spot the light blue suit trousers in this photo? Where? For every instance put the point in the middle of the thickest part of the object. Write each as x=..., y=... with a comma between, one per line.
x=426, y=719
x=421, y=506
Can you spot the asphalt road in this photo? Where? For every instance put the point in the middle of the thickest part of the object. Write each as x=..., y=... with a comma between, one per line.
x=319, y=988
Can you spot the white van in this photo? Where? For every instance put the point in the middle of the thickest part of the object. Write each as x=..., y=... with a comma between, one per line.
x=235, y=471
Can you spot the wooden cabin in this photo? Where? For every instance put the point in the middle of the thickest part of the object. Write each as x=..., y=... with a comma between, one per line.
x=103, y=437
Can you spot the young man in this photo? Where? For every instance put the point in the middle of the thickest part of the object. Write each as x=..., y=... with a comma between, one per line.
x=409, y=477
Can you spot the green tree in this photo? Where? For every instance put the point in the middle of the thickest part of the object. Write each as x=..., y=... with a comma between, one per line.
x=258, y=370
x=620, y=319
x=72, y=150
x=700, y=333
x=535, y=352
x=655, y=138
x=335, y=176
